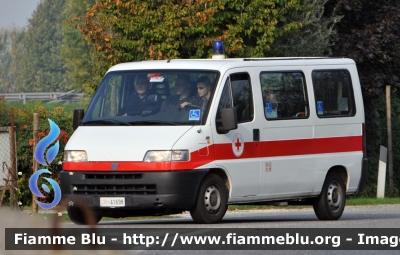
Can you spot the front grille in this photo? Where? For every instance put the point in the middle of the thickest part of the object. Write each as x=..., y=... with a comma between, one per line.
x=117, y=189
x=113, y=176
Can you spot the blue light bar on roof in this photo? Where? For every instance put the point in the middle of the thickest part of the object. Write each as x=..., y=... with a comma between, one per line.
x=218, y=50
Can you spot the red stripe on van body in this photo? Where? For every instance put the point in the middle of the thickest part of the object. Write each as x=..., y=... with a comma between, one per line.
x=122, y=166
x=311, y=146
x=292, y=147
x=224, y=152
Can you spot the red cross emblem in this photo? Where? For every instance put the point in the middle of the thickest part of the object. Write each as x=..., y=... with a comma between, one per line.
x=237, y=144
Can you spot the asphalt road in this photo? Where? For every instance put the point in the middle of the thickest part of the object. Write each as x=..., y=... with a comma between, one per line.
x=367, y=217
x=380, y=216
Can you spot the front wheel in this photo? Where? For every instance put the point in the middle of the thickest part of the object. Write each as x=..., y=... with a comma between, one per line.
x=329, y=205
x=78, y=216
x=212, y=200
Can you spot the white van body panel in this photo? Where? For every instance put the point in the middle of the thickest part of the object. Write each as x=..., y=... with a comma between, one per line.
x=289, y=160
x=100, y=144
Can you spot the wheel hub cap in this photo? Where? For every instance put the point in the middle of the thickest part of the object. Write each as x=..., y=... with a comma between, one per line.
x=212, y=198
x=334, y=197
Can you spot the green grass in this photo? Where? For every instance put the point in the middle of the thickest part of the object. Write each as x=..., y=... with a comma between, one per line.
x=373, y=201
x=69, y=107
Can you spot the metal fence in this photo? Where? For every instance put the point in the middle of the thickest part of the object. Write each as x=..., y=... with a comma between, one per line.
x=70, y=96
x=8, y=167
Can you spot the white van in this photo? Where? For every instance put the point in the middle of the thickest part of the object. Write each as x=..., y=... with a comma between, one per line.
x=273, y=130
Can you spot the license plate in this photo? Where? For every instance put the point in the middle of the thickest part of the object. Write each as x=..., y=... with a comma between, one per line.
x=112, y=202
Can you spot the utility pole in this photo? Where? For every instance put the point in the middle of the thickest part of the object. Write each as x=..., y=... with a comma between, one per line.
x=389, y=132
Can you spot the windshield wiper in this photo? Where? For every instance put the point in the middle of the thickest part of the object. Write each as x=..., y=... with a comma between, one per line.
x=107, y=121
x=155, y=122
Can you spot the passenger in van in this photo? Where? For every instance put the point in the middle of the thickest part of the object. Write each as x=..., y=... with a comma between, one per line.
x=182, y=94
x=142, y=102
x=271, y=105
x=204, y=92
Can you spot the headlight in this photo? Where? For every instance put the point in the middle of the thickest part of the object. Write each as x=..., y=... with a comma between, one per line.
x=75, y=156
x=166, y=156
x=181, y=155
x=157, y=156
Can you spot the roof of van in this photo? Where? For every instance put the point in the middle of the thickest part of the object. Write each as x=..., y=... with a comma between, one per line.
x=218, y=64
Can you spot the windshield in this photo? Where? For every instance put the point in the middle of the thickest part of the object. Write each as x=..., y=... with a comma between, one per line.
x=154, y=97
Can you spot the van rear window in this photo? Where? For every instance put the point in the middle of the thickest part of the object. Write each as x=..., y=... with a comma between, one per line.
x=333, y=93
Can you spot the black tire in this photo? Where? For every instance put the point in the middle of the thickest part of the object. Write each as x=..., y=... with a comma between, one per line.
x=329, y=205
x=212, y=200
x=78, y=217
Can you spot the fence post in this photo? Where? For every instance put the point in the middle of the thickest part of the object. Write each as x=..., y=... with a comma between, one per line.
x=380, y=190
x=35, y=163
x=13, y=168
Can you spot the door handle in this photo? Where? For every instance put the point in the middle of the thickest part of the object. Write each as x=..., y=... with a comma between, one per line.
x=256, y=135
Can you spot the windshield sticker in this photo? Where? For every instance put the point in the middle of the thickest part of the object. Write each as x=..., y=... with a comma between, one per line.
x=194, y=114
x=320, y=108
x=269, y=108
x=270, y=113
x=155, y=77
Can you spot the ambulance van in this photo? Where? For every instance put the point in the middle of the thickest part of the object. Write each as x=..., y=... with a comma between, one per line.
x=273, y=130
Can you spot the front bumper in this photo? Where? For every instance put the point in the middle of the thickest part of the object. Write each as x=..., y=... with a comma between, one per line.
x=146, y=193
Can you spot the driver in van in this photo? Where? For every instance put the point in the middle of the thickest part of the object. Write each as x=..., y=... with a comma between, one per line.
x=204, y=93
x=182, y=94
x=142, y=102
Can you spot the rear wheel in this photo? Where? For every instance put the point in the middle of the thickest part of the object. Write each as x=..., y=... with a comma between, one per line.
x=212, y=200
x=78, y=216
x=329, y=205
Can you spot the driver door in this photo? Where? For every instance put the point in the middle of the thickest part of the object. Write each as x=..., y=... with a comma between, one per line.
x=238, y=150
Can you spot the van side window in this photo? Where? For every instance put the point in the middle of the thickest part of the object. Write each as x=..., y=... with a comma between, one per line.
x=237, y=91
x=242, y=97
x=333, y=93
x=284, y=95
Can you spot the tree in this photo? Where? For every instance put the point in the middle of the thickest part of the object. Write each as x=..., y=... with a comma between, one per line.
x=129, y=30
x=79, y=63
x=369, y=34
x=5, y=61
x=45, y=71
x=19, y=58
x=316, y=35
x=11, y=58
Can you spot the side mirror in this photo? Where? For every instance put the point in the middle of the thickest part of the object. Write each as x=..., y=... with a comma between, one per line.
x=229, y=119
x=78, y=116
